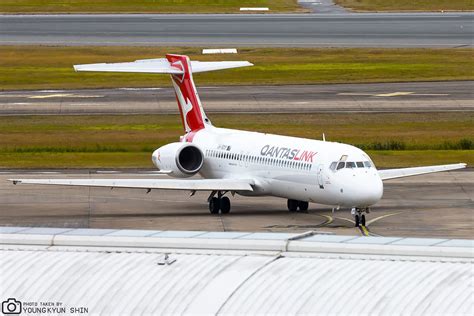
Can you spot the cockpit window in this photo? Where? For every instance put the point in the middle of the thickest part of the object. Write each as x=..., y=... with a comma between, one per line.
x=350, y=164
x=337, y=165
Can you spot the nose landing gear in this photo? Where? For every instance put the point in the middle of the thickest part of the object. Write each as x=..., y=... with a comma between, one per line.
x=220, y=203
x=359, y=215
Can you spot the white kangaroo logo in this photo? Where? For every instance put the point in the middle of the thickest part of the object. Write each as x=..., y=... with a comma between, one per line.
x=186, y=106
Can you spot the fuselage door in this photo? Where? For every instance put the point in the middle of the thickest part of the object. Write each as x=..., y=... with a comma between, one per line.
x=320, y=177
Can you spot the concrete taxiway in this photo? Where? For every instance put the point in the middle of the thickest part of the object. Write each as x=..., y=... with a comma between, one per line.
x=280, y=30
x=436, y=205
x=379, y=97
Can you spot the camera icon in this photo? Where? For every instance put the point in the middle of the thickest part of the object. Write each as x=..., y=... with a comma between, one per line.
x=11, y=307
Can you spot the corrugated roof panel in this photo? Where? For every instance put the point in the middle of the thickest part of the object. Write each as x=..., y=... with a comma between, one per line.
x=327, y=286
x=242, y=283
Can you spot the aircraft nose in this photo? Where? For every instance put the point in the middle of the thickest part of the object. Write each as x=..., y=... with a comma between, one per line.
x=364, y=191
x=374, y=190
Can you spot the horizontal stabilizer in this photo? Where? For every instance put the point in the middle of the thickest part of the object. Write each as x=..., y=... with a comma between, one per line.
x=203, y=66
x=407, y=172
x=163, y=184
x=161, y=66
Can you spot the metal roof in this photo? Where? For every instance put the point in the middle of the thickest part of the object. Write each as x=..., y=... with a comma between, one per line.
x=121, y=272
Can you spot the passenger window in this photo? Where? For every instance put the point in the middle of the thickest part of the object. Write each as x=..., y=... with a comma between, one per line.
x=360, y=164
x=350, y=164
x=340, y=165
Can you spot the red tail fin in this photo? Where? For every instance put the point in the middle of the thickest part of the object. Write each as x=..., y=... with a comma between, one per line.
x=180, y=68
x=192, y=113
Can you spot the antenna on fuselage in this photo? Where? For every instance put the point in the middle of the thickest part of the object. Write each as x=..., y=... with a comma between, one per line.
x=324, y=137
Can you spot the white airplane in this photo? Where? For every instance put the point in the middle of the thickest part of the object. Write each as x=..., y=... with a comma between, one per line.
x=249, y=163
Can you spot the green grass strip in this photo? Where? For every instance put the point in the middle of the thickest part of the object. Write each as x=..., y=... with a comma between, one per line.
x=392, y=139
x=143, y=6
x=408, y=5
x=40, y=67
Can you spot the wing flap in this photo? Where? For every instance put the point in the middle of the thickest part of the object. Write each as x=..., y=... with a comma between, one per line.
x=163, y=184
x=408, y=172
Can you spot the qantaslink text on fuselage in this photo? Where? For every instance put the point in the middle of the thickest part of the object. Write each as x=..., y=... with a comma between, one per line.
x=287, y=153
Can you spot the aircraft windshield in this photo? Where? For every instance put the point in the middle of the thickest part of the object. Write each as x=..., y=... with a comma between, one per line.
x=337, y=165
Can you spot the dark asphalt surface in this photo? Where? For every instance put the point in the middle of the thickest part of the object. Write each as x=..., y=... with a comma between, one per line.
x=290, y=30
x=379, y=97
x=435, y=205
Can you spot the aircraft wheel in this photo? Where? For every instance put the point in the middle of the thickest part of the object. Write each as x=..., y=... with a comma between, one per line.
x=292, y=205
x=362, y=220
x=225, y=205
x=214, y=205
x=357, y=222
x=303, y=206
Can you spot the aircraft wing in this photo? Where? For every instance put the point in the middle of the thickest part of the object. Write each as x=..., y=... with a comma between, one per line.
x=164, y=184
x=408, y=172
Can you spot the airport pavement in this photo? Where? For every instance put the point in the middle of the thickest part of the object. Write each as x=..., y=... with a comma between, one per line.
x=436, y=205
x=379, y=97
x=237, y=30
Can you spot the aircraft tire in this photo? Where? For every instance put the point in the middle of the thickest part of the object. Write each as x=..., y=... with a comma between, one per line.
x=214, y=205
x=292, y=205
x=303, y=206
x=357, y=222
x=225, y=205
x=362, y=220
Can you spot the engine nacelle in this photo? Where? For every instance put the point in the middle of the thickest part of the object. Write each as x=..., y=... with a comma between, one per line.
x=182, y=159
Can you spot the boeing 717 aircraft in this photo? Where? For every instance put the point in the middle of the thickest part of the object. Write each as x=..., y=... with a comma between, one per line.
x=249, y=163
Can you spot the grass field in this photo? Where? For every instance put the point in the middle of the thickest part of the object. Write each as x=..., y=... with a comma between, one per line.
x=128, y=141
x=40, y=67
x=407, y=5
x=143, y=6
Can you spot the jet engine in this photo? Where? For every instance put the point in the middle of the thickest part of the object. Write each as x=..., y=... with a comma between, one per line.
x=180, y=159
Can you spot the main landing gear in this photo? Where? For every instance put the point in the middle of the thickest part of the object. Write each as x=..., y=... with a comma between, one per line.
x=294, y=205
x=220, y=203
x=359, y=216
